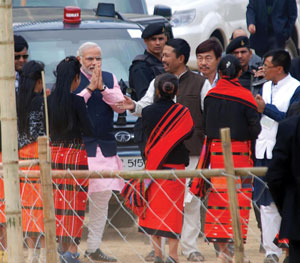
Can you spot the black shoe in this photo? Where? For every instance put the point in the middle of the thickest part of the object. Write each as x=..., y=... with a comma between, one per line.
x=98, y=255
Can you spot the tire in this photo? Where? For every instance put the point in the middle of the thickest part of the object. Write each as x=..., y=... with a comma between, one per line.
x=291, y=48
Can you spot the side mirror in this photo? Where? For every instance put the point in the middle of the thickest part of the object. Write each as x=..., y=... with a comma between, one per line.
x=163, y=10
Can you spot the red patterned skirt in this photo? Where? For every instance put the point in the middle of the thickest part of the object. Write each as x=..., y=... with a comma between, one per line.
x=70, y=195
x=31, y=197
x=164, y=213
x=218, y=227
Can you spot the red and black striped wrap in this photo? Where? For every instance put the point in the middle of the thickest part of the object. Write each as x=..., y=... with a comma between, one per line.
x=70, y=195
x=218, y=226
x=231, y=89
x=225, y=89
x=176, y=125
x=31, y=195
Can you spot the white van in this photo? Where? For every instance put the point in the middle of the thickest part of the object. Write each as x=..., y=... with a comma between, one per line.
x=197, y=20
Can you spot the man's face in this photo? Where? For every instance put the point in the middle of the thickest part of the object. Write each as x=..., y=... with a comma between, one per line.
x=20, y=59
x=244, y=55
x=271, y=71
x=207, y=63
x=89, y=59
x=170, y=62
x=155, y=44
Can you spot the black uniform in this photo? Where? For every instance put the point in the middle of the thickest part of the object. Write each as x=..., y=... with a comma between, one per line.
x=246, y=79
x=250, y=82
x=143, y=70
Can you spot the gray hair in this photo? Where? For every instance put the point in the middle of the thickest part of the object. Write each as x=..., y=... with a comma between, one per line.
x=86, y=46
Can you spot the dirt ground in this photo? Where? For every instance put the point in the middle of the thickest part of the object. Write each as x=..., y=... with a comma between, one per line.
x=127, y=245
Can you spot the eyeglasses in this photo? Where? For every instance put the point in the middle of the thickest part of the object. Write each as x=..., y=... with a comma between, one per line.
x=268, y=67
x=17, y=57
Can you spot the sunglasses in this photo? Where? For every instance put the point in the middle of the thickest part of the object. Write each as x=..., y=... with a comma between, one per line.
x=17, y=57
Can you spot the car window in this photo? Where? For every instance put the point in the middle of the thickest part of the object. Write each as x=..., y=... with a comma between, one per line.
x=119, y=47
x=122, y=6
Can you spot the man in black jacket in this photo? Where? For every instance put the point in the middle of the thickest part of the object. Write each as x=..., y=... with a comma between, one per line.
x=270, y=23
x=284, y=182
x=144, y=68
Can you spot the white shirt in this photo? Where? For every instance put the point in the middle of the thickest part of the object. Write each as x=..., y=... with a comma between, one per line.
x=278, y=95
x=149, y=97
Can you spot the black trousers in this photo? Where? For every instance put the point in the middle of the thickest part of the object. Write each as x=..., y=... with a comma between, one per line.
x=294, y=251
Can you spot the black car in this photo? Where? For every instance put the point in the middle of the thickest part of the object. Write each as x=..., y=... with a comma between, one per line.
x=51, y=39
x=131, y=10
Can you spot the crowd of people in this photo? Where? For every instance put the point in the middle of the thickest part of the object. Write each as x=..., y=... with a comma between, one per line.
x=180, y=114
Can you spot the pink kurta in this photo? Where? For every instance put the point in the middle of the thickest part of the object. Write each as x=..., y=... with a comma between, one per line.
x=99, y=162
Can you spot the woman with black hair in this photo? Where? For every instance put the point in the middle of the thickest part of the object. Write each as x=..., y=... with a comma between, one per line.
x=69, y=120
x=166, y=125
x=230, y=105
x=31, y=124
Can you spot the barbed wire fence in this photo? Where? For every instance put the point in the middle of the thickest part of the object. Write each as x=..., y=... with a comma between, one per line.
x=125, y=243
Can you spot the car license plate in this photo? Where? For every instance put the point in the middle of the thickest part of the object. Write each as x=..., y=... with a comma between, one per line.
x=132, y=163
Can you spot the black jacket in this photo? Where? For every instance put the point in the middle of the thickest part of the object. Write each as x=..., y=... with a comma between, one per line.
x=283, y=16
x=143, y=69
x=243, y=121
x=283, y=177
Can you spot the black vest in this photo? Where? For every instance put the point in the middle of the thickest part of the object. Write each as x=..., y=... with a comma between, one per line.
x=101, y=115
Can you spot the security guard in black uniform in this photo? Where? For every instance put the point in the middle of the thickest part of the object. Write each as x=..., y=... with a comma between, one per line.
x=144, y=69
x=240, y=47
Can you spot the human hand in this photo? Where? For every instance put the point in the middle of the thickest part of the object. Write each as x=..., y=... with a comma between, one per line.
x=95, y=79
x=260, y=103
x=252, y=29
x=126, y=104
x=100, y=81
x=48, y=92
x=259, y=73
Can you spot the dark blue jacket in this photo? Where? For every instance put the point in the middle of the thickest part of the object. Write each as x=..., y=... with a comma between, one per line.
x=101, y=115
x=283, y=17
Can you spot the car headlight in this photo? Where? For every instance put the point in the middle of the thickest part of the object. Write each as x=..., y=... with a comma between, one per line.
x=180, y=18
